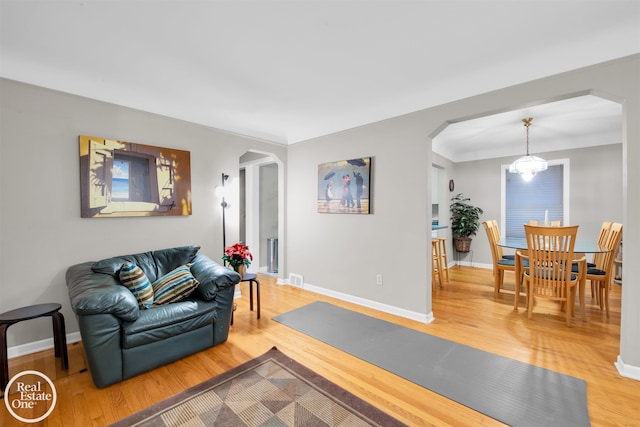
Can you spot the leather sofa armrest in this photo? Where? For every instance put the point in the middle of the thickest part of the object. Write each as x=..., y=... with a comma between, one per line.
x=101, y=341
x=212, y=276
x=98, y=293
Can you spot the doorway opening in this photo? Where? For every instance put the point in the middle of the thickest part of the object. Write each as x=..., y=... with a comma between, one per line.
x=262, y=210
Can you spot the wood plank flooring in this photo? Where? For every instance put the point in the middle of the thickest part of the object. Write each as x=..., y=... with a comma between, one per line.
x=465, y=311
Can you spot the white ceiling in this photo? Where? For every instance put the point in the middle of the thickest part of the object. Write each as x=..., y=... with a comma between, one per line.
x=288, y=71
x=583, y=121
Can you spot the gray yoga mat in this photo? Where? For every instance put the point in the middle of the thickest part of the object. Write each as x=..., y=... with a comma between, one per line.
x=507, y=390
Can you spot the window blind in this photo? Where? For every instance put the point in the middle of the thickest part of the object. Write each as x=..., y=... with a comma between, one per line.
x=530, y=200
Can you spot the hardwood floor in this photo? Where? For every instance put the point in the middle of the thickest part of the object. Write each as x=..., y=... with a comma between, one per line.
x=465, y=311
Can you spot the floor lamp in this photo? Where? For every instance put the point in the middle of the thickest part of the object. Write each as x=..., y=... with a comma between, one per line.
x=224, y=205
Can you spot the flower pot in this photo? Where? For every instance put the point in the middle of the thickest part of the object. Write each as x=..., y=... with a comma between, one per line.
x=241, y=270
x=462, y=244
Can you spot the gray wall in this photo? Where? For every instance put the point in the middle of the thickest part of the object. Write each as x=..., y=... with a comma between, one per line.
x=343, y=253
x=41, y=230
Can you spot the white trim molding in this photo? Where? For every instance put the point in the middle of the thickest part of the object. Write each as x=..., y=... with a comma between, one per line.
x=419, y=317
x=628, y=371
x=36, y=346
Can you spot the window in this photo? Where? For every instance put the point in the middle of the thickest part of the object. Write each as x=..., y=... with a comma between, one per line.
x=522, y=201
x=131, y=180
x=120, y=180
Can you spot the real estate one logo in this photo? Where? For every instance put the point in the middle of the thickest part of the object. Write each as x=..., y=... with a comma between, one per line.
x=30, y=396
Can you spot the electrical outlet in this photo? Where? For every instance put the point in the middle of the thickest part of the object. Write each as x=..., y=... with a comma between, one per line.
x=379, y=279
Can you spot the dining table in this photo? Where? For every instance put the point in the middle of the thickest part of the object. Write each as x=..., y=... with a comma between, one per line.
x=580, y=247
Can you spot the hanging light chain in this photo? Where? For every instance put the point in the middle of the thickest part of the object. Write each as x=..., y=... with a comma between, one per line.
x=527, y=123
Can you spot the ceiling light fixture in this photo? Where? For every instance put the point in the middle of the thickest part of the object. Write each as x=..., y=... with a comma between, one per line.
x=528, y=166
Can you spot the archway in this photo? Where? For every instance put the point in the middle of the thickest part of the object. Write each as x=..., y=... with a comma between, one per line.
x=262, y=210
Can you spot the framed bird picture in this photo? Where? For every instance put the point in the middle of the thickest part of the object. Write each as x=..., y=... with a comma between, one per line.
x=344, y=187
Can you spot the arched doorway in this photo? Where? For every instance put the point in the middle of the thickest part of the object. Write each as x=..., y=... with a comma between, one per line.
x=262, y=210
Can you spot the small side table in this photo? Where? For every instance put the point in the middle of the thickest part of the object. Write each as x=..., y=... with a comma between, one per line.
x=32, y=312
x=253, y=279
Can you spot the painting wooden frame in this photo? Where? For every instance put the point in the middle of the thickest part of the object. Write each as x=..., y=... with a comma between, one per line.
x=119, y=178
x=344, y=187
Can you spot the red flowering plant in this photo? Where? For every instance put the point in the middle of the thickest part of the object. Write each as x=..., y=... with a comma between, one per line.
x=237, y=255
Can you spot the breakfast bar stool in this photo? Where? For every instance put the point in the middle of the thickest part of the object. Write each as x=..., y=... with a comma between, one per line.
x=442, y=256
x=436, y=260
x=26, y=313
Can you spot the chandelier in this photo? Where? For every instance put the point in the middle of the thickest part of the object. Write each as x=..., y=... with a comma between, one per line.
x=528, y=166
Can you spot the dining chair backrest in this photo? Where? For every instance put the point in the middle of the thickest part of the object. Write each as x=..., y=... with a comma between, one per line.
x=556, y=223
x=496, y=235
x=550, y=259
x=612, y=243
x=533, y=222
x=604, y=232
x=602, y=240
x=493, y=235
x=601, y=276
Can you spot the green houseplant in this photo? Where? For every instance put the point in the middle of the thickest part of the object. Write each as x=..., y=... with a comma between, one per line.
x=465, y=221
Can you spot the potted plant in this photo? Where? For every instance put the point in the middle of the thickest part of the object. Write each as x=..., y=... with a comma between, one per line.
x=238, y=257
x=465, y=221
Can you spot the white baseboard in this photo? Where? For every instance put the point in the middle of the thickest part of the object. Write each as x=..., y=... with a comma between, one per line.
x=471, y=264
x=424, y=318
x=628, y=371
x=36, y=346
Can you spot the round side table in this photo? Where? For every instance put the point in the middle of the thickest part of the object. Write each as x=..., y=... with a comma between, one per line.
x=26, y=313
x=253, y=280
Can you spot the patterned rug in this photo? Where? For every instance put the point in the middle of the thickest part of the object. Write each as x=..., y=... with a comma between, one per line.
x=271, y=390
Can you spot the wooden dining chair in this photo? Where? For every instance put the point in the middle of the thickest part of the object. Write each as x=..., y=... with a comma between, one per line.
x=602, y=240
x=533, y=222
x=602, y=274
x=500, y=264
x=496, y=231
x=596, y=260
x=556, y=223
x=549, y=274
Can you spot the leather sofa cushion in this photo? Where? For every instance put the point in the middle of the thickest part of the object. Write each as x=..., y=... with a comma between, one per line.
x=165, y=321
x=155, y=264
x=113, y=265
x=167, y=260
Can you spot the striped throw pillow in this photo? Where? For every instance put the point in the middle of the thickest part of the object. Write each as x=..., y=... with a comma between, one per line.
x=174, y=286
x=137, y=282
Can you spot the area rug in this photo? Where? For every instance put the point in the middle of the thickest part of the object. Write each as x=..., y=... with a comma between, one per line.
x=271, y=390
x=513, y=392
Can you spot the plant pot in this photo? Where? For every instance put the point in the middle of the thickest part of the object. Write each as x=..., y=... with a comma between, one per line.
x=462, y=244
x=241, y=270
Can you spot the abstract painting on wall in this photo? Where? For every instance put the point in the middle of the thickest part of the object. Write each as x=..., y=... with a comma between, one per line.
x=345, y=186
x=120, y=178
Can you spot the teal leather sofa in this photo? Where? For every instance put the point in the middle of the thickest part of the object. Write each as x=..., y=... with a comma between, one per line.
x=122, y=340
